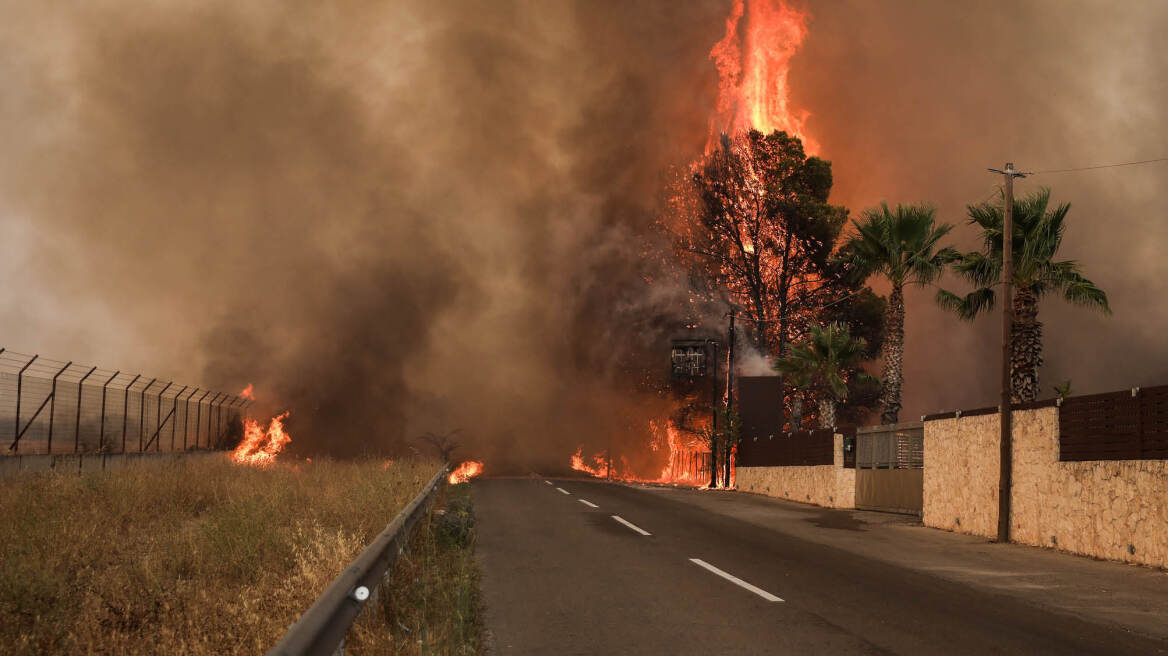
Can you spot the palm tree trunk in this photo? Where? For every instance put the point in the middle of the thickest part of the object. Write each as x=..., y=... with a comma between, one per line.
x=796, y=410
x=1025, y=347
x=827, y=412
x=892, y=374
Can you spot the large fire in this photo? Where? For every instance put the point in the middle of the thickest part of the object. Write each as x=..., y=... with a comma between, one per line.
x=260, y=446
x=753, y=61
x=465, y=471
x=687, y=461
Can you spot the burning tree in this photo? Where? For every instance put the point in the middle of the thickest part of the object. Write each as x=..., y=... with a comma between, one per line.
x=755, y=232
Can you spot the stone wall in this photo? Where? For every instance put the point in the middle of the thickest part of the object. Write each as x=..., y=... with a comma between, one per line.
x=830, y=486
x=1116, y=510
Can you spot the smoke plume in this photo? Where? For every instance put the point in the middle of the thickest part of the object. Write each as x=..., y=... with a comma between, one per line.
x=411, y=216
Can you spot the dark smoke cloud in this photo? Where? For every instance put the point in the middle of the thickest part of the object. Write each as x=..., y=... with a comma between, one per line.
x=400, y=217
x=391, y=217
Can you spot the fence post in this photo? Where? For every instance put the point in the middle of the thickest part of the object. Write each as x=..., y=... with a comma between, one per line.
x=142, y=412
x=199, y=418
x=187, y=417
x=101, y=431
x=19, y=383
x=126, y=409
x=53, y=404
x=174, y=415
x=158, y=417
x=77, y=422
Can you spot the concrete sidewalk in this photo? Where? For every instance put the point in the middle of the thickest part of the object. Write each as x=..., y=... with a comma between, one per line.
x=1129, y=596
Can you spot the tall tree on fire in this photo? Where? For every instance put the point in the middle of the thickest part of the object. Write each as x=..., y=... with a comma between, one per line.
x=763, y=231
x=1038, y=234
x=902, y=246
x=757, y=233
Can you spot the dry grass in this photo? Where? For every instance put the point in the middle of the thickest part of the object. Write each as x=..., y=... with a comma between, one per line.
x=200, y=557
x=430, y=604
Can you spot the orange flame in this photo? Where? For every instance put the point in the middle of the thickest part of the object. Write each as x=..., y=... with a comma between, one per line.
x=465, y=472
x=259, y=446
x=753, y=61
x=248, y=392
x=598, y=468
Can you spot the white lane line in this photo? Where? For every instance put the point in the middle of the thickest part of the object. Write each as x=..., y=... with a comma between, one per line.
x=735, y=580
x=548, y=482
x=588, y=503
x=563, y=490
x=631, y=525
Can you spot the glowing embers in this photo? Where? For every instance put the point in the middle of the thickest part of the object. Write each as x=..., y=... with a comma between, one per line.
x=465, y=471
x=753, y=61
x=260, y=445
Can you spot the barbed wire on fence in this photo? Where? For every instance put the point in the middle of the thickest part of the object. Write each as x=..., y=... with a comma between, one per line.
x=54, y=406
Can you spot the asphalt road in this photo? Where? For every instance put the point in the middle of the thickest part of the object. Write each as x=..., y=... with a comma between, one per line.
x=561, y=576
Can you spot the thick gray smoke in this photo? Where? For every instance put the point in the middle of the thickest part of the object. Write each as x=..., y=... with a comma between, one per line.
x=411, y=216
x=392, y=217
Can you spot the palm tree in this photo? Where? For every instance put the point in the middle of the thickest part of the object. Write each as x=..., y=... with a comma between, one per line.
x=900, y=245
x=1038, y=233
x=828, y=359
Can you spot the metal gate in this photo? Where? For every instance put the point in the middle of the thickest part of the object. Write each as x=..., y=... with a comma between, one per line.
x=890, y=471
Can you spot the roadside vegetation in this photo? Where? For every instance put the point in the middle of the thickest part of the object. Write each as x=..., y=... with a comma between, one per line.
x=430, y=603
x=195, y=557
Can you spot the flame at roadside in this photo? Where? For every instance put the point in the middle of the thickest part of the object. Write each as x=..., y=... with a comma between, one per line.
x=687, y=460
x=465, y=471
x=260, y=445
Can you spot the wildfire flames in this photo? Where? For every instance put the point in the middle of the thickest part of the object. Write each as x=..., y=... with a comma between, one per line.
x=687, y=462
x=465, y=472
x=248, y=392
x=260, y=446
x=753, y=61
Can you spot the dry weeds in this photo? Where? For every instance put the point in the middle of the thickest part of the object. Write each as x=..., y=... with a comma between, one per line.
x=199, y=557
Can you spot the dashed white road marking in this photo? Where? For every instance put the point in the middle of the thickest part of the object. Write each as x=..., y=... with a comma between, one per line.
x=588, y=503
x=735, y=580
x=563, y=490
x=548, y=482
x=631, y=525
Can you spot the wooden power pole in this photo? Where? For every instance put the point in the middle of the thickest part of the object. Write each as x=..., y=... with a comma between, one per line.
x=1005, y=477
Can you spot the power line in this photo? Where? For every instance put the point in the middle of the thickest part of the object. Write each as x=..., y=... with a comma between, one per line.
x=1105, y=166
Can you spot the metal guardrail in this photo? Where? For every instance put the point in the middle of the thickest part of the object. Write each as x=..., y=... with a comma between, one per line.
x=322, y=628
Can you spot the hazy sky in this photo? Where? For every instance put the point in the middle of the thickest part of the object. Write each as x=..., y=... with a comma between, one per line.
x=396, y=217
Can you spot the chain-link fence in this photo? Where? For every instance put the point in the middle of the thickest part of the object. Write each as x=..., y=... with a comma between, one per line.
x=49, y=406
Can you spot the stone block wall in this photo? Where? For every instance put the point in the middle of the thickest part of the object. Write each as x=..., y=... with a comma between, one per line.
x=1116, y=510
x=831, y=486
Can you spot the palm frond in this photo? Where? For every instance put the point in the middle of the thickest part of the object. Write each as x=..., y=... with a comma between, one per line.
x=969, y=306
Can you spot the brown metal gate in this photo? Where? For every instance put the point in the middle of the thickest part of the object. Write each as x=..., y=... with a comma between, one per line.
x=890, y=468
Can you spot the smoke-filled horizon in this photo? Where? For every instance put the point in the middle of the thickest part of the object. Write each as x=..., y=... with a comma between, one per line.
x=429, y=216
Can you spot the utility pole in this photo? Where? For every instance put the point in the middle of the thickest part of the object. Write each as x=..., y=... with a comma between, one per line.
x=729, y=395
x=713, y=369
x=1006, y=460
